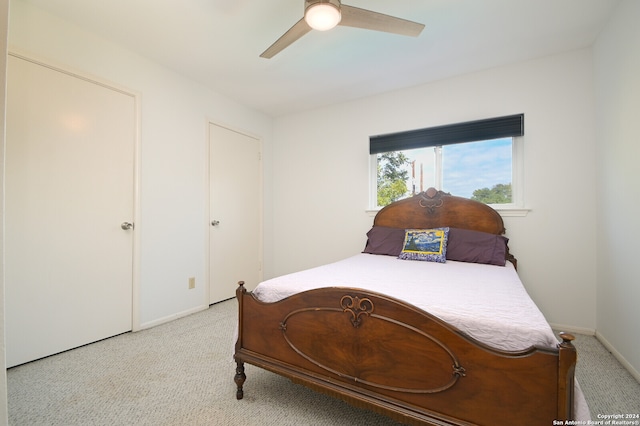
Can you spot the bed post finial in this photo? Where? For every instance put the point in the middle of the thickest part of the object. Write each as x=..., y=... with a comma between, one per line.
x=567, y=339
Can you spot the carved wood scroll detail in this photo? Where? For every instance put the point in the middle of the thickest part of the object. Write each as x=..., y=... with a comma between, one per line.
x=431, y=199
x=356, y=307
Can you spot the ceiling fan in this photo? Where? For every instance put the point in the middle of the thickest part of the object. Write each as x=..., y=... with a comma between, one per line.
x=323, y=15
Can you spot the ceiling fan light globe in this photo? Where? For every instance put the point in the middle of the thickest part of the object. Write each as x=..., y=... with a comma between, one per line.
x=322, y=16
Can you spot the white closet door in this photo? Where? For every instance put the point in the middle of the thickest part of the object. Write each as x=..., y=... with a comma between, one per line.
x=234, y=204
x=69, y=189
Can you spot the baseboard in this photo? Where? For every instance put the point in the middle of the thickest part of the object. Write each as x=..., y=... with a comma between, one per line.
x=618, y=356
x=170, y=318
x=573, y=329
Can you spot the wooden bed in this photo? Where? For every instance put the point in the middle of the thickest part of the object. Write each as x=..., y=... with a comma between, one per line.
x=386, y=355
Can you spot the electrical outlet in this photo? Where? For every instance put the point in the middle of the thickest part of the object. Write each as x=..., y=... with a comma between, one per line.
x=192, y=282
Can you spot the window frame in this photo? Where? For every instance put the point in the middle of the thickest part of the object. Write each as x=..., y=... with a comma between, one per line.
x=514, y=209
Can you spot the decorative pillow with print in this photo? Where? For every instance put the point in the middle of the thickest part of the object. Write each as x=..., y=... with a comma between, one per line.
x=425, y=244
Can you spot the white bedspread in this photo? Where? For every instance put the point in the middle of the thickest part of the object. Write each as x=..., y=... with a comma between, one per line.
x=487, y=302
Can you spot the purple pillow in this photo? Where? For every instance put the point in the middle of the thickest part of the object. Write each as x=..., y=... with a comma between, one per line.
x=465, y=245
x=385, y=240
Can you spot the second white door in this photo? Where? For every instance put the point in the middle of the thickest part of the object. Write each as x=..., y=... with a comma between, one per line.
x=235, y=232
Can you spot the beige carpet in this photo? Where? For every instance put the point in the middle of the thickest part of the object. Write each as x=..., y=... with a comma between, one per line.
x=181, y=373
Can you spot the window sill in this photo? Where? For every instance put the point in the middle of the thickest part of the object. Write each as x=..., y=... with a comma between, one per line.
x=503, y=211
x=512, y=211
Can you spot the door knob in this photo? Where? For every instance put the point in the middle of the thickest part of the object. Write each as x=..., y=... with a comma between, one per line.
x=126, y=225
x=215, y=222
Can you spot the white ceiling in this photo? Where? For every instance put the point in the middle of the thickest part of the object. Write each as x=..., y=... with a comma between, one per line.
x=218, y=42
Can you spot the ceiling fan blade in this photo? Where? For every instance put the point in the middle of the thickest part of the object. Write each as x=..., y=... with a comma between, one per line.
x=298, y=30
x=367, y=19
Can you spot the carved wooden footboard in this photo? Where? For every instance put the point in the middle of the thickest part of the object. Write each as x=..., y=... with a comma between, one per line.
x=381, y=353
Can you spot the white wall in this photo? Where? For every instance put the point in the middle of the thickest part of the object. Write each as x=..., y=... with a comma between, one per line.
x=4, y=19
x=321, y=173
x=173, y=143
x=617, y=67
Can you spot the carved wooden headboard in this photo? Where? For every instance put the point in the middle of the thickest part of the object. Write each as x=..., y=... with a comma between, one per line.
x=434, y=209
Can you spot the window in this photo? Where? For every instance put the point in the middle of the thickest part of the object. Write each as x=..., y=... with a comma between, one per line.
x=454, y=158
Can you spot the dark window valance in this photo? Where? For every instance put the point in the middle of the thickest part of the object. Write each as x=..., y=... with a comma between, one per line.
x=469, y=131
